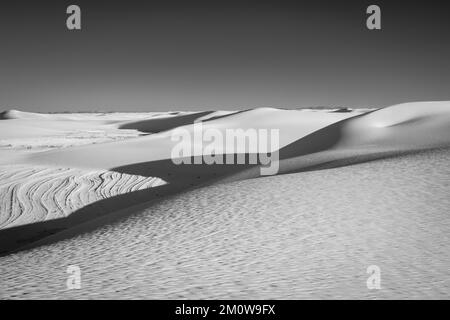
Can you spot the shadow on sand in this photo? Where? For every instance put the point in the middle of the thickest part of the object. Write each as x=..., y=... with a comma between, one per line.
x=178, y=177
x=163, y=124
x=308, y=153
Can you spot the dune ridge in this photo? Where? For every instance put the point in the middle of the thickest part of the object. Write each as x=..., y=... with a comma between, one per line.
x=328, y=142
x=409, y=126
x=293, y=124
x=16, y=114
x=309, y=140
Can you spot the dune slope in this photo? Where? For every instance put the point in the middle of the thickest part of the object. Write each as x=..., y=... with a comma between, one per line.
x=33, y=194
x=293, y=125
x=309, y=140
x=293, y=236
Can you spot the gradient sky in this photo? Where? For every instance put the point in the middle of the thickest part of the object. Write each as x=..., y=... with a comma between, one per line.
x=198, y=55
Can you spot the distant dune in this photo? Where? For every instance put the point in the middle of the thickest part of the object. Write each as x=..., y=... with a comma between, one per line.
x=293, y=124
x=16, y=114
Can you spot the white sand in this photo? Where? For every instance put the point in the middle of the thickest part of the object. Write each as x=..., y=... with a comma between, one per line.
x=293, y=125
x=34, y=194
x=33, y=132
x=303, y=235
x=283, y=239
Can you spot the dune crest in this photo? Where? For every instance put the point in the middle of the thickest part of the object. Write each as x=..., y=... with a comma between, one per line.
x=407, y=125
x=387, y=132
x=307, y=138
x=16, y=114
x=293, y=125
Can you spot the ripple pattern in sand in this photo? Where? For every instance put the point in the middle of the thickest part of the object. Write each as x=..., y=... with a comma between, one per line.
x=32, y=194
x=308, y=235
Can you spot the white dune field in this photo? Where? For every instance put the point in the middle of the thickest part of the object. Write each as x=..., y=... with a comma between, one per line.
x=355, y=189
x=31, y=194
x=302, y=235
x=49, y=164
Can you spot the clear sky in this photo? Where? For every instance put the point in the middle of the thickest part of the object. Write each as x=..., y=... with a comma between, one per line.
x=197, y=55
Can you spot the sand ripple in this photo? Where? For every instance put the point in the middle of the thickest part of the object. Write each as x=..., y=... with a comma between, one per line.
x=302, y=235
x=31, y=194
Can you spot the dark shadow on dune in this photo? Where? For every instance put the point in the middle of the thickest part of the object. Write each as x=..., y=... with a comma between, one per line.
x=6, y=115
x=320, y=140
x=179, y=177
x=306, y=154
x=13, y=238
x=182, y=178
x=342, y=110
x=163, y=124
x=167, y=123
x=317, y=141
x=186, y=174
x=227, y=115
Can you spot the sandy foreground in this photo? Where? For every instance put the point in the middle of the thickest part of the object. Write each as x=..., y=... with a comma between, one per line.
x=354, y=189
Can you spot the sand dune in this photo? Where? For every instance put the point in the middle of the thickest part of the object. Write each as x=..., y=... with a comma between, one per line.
x=32, y=132
x=39, y=201
x=35, y=194
x=309, y=139
x=36, y=190
x=412, y=126
x=125, y=176
x=110, y=117
x=16, y=114
x=293, y=124
x=302, y=235
x=390, y=131
x=409, y=125
x=36, y=132
x=163, y=124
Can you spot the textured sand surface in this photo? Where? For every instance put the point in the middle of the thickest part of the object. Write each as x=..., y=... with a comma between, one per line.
x=34, y=132
x=35, y=194
x=293, y=125
x=302, y=235
x=354, y=189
